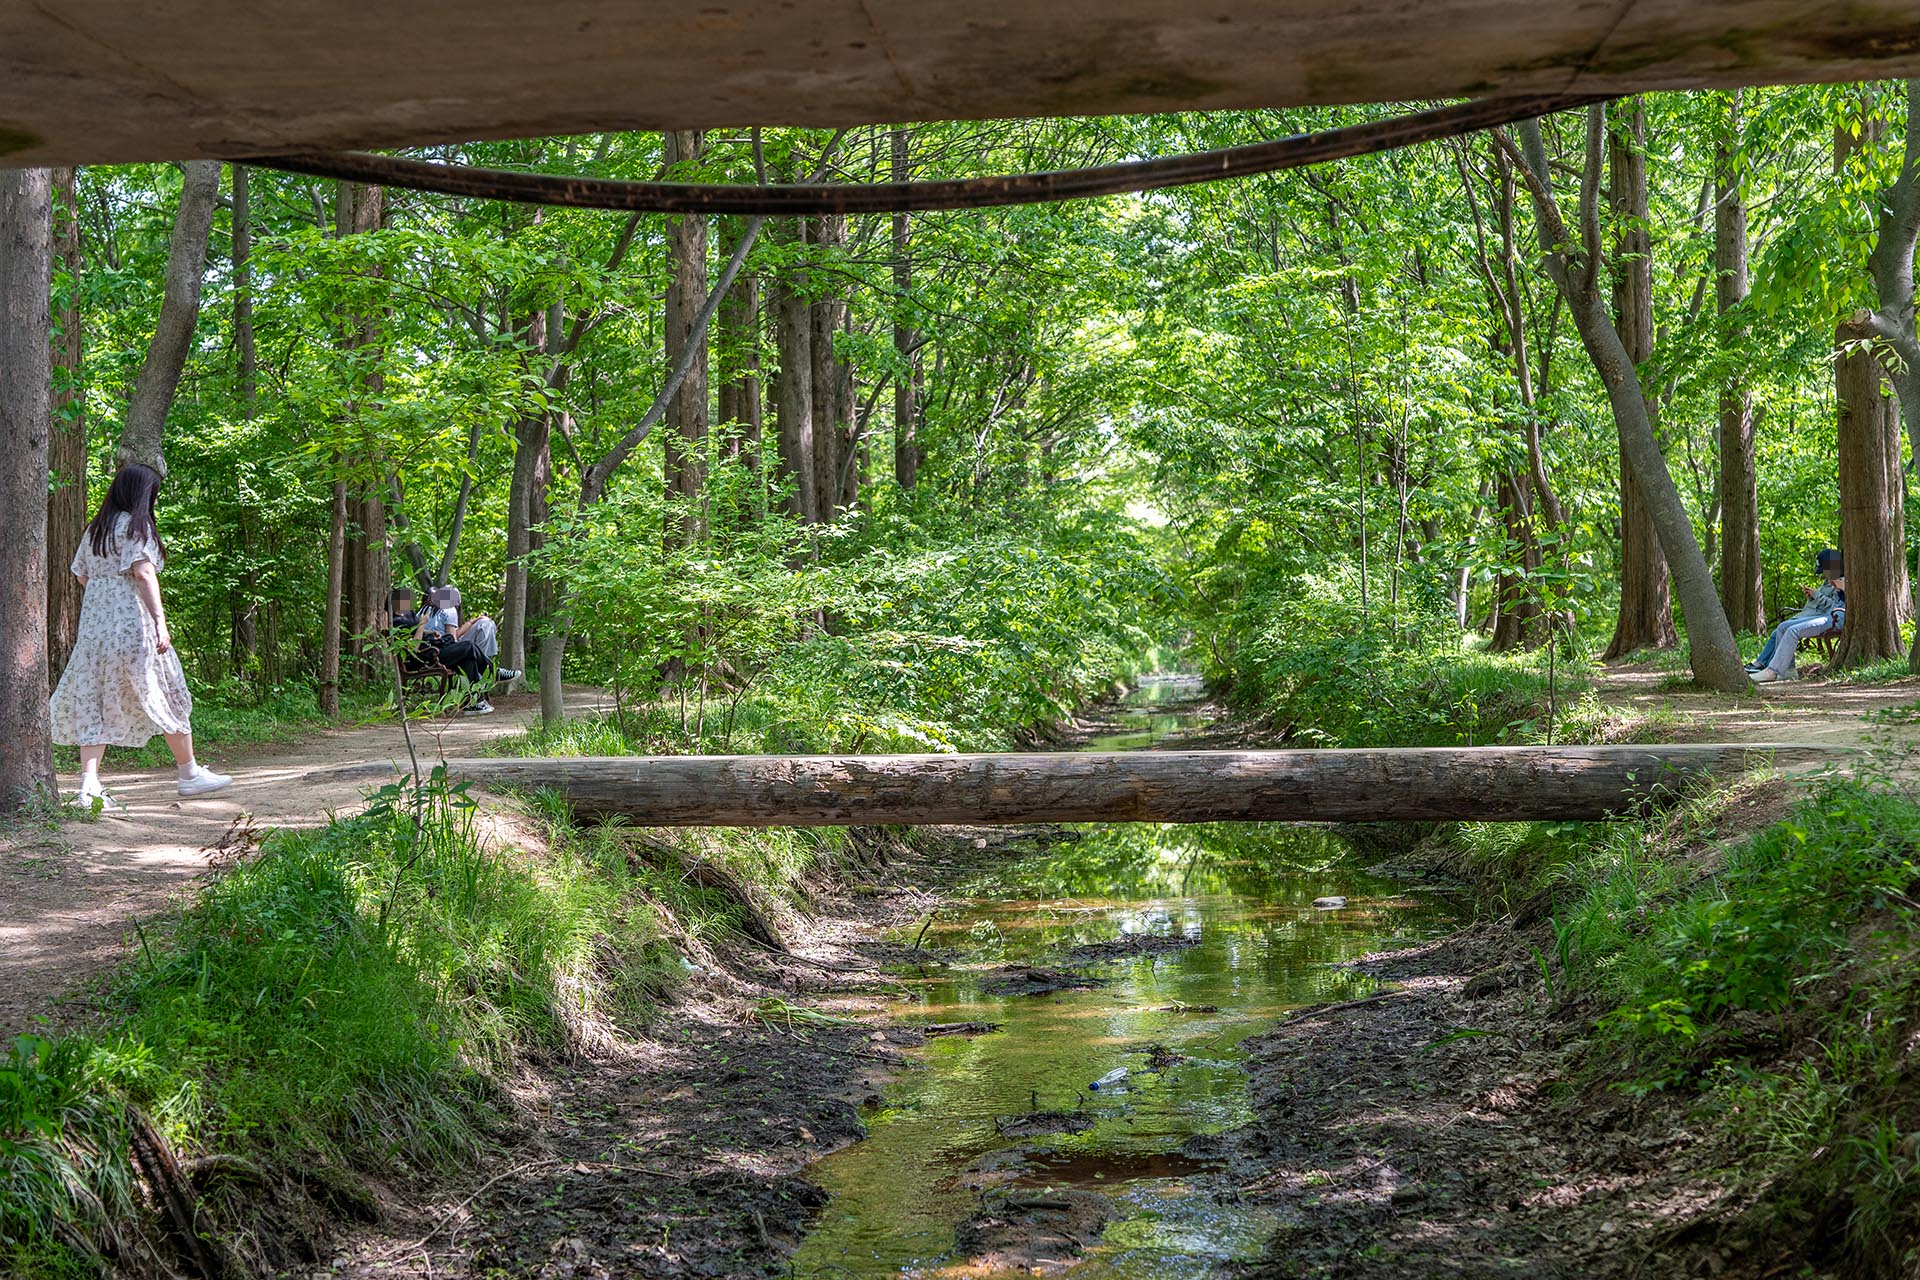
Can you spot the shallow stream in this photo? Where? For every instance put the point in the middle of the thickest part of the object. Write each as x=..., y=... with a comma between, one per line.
x=1241, y=899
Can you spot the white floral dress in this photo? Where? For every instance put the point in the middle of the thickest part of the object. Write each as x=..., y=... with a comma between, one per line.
x=118, y=689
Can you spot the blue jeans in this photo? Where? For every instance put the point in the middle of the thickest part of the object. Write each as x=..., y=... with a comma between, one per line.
x=1778, y=651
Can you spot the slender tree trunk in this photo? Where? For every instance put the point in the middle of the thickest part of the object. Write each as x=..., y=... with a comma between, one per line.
x=685, y=441
x=1739, y=491
x=793, y=388
x=336, y=585
x=369, y=573
x=153, y=387
x=1518, y=621
x=739, y=347
x=26, y=413
x=67, y=496
x=1715, y=659
x=529, y=442
x=245, y=603
x=1872, y=504
x=906, y=384
x=1645, y=620
x=828, y=315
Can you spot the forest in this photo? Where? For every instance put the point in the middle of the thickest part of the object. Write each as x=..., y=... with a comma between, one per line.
x=1418, y=448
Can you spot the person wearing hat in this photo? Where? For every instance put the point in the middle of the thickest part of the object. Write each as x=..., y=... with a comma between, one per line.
x=1824, y=611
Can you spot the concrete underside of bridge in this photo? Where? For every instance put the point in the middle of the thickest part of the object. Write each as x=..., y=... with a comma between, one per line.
x=94, y=81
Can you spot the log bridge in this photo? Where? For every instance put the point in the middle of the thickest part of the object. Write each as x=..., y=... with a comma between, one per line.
x=1488, y=784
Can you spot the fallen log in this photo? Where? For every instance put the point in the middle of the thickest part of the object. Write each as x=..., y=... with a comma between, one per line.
x=1361, y=785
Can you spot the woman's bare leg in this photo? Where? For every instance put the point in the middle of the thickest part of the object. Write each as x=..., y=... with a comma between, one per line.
x=181, y=744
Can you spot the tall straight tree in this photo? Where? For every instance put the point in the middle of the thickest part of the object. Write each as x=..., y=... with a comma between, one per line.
x=793, y=385
x=1867, y=458
x=142, y=438
x=906, y=380
x=738, y=343
x=685, y=443
x=67, y=460
x=1574, y=263
x=1891, y=323
x=1645, y=620
x=245, y=603
x=1739, y=481
x=832, y=394
x=26, y=411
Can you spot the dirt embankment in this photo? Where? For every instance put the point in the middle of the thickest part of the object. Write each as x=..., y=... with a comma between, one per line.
x=678, y=1151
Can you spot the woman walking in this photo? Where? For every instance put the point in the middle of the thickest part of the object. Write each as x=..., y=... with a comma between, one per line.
x=123, y=682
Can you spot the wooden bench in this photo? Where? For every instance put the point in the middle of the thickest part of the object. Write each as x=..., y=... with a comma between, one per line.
x=439, y=678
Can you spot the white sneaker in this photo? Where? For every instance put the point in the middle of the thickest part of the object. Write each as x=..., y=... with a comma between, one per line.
x=1765, y=675
x=204, y=782
x=480, y=708
x=98, y=802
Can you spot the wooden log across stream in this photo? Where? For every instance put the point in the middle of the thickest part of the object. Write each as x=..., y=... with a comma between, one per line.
x=1359, y=785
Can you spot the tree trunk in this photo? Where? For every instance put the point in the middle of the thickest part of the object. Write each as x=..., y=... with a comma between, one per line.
x=1645, y=620
x=906, y=383
x=793, y=387
x=1489, y=784
x=1520, y=613
x=685, y=441
x=1872, y=504
x=363, y=210
x=530, y=436
x=828, y=315
x=1714, y=657
x=141, y=437
x=739, y=348
x=26, y=413
x=336, y=585
x=67, y=460
x=1892, y=323
x=1739, y=492
x=245, y=603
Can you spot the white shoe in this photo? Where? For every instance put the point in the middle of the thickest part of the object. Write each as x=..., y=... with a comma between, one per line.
x=204, y=782
x=504, y=675
x=480, y=708
x=98, y=802
x=1765, y=675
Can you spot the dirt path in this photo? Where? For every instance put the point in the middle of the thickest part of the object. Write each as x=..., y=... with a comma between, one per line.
x=1812, y=710
x=70, y=891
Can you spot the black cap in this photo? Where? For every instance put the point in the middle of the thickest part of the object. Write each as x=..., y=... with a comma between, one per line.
x=1829, y=559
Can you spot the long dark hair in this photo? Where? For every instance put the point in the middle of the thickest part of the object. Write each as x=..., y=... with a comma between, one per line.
x=135, y=491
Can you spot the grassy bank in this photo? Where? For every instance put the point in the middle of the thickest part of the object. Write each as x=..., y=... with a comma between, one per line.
x=1749, y=952
x=355, y=1000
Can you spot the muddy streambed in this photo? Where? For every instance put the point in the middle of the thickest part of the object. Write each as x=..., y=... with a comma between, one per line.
x=1198, y=937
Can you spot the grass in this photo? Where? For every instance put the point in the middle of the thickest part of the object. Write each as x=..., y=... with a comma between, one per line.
x=355, y=998
x=1767, y=977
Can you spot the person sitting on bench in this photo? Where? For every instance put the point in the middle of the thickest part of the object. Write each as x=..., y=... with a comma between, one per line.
x=1825, y=611
x=431, y=648
x=443, y=615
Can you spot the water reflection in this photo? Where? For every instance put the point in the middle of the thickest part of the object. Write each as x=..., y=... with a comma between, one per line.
x=1243, y=896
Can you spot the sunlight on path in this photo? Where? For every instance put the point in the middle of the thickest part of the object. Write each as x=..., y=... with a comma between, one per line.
x=69, y=896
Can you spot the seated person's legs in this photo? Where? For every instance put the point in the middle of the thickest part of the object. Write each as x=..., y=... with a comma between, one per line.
x=485, y=637
x=1765, y=655
x=1791, y=633
x=461, y=656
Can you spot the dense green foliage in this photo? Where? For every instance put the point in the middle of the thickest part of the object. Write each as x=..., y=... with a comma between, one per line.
x=358, y=996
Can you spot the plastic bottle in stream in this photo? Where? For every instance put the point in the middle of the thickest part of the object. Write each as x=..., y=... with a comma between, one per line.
x=1116, y=1076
